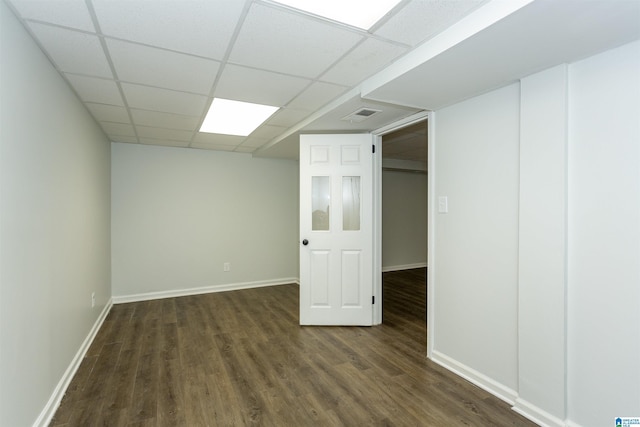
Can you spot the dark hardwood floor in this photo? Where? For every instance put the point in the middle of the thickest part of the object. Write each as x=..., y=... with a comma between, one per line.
x=240, y=358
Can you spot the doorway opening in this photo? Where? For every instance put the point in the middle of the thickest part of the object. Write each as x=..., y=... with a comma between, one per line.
x=404, y=225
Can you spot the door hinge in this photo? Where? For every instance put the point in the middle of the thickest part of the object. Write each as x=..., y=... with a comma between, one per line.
x=373, y=299
x=373, y=149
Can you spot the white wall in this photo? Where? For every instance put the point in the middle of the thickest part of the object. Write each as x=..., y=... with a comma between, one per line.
x=54, y=225
x=604, y=237
x=180, y=214
x=542, y=269
x=404, y=219
x=536, y=267
x=476, y=242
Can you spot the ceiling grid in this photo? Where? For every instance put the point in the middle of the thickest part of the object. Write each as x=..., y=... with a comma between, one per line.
x=148, y=71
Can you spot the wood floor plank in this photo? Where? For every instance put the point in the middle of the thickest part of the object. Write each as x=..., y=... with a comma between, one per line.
x=170, y=403
x=169, y=311
x=119, y=390
x=240, y=358
x=145, y=391
x=193, y=390
x=102, y=372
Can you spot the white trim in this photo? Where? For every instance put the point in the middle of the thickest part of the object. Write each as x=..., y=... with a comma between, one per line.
x=45, y=417
x=431, y=233
x=499, y=390
x=203, y=290
x=403, y=267
x=402, y=123
x=537, y=415
x=570, y=423
x=377, y=229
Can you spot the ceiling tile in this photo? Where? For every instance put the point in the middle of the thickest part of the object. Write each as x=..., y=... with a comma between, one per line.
x=423, y=19
x=257, y=86
x=277, y=40
x=267, y=131
x=164, y=142
x=72, y=51
x=317, y=95
x=203, y=138
x=287, y=117
x=160, y=133
x=163, y=100
x=253, y=143
x=122, y=129
x=68, y=13
x=198, y=27
x=135, y=63
x=212, y=146
x=363, y=61
x=121, y=138
x=96, y=90
x=108, y=113
x=166, y=120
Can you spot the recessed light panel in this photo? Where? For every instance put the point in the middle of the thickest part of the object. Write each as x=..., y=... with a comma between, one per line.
x=358, y=13
x=238, y=118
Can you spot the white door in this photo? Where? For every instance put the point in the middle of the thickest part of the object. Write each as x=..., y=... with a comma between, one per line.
x=336, y=229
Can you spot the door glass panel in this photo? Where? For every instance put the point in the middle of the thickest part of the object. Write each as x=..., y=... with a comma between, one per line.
x=351, y=203
x=320, y=203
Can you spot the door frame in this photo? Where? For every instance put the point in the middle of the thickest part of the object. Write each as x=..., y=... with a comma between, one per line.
x=377, y=218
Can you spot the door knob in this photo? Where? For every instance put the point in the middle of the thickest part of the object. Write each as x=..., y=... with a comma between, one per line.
x=305, y=242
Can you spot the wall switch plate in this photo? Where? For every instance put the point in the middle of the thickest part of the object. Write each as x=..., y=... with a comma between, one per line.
x=443, y=204
x=227, y=266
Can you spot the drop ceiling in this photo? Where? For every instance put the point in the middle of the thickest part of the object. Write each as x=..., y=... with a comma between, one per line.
x=148, y=70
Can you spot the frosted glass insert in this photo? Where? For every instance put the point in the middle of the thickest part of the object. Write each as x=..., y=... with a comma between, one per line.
x=351, y=203
x=320, y=203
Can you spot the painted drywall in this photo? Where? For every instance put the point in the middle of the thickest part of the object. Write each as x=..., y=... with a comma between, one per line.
x=180, y=214
x=404, y=219
x=536, y=267
x=476, y=242
x=604, y=237
x=54, y=225
x=542, y=243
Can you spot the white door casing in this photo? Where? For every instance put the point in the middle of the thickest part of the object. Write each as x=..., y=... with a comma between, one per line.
x=336, y=229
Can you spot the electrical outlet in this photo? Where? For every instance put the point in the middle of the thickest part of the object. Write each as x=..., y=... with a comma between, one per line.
x=227, y=266
x=93, y=299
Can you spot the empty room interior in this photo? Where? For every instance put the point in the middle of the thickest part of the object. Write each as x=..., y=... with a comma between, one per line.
x=225, y=269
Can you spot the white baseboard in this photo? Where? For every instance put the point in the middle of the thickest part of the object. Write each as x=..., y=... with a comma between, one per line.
x=403, y=267
x=45, y=417
x=203, y=290
x=537, y=415
x=475, y=377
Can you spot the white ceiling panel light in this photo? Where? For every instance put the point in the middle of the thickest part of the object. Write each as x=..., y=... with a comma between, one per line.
x=358, y=13
x=230, y=117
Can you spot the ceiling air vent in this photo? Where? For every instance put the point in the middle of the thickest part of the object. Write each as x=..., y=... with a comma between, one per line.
x=360, y=115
